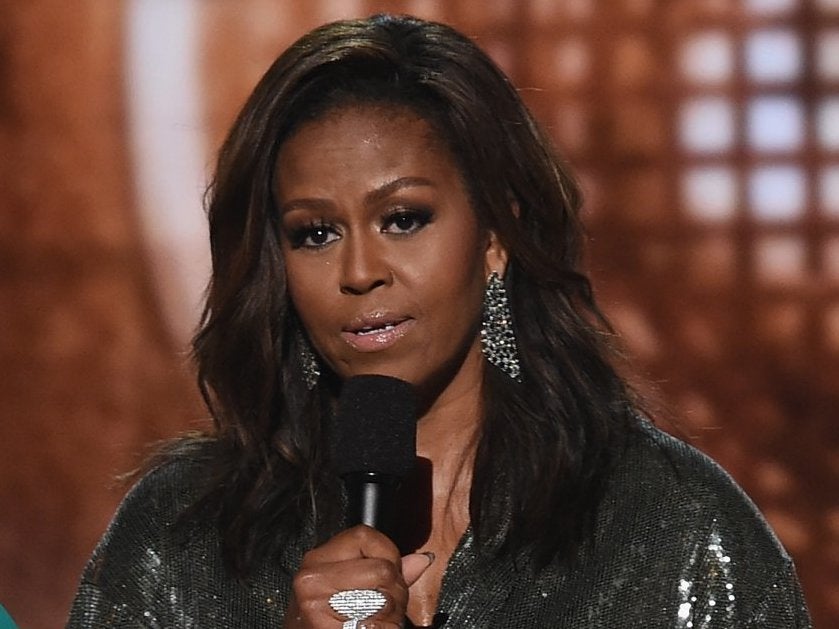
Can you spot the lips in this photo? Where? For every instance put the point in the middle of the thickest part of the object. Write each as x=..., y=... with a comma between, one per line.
x=377, y=331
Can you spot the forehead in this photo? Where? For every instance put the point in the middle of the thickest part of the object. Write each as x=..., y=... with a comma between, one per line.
x=367, y=122
x=363, y=140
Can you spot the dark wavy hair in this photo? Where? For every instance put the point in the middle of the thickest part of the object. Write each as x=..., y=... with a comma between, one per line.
x=546, y=443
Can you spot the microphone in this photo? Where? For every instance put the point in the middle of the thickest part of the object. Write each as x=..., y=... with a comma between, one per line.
x=374, y=445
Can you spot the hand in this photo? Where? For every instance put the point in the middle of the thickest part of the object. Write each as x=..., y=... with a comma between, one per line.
x=360, y=558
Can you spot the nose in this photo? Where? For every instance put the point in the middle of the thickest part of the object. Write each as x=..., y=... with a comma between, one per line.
x=363, y=267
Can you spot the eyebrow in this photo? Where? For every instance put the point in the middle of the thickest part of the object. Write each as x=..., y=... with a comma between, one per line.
x=382, y=192
x=390, y=187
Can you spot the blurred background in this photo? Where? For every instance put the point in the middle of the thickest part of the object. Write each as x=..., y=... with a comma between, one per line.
x=706, y=137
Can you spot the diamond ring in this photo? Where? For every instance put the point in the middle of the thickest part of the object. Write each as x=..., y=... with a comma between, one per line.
x=356, y=605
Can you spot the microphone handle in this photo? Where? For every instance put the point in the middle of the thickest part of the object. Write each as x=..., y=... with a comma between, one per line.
x=371, y=497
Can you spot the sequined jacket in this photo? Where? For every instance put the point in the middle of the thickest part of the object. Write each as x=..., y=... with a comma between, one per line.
x=676, y=545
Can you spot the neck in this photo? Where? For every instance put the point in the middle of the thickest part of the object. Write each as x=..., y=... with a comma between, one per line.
x=447, y=430
x=447, y=436
x=437, y=496
x=437, y=512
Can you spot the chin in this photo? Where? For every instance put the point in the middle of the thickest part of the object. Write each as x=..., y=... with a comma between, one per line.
x=430, y=375
x=382, y=370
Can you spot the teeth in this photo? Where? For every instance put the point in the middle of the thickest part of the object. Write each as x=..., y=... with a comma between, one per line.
x=368, y=330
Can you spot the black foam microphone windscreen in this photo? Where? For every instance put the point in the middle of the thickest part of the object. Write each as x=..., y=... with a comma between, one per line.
x=375, y=428
x=374, y=445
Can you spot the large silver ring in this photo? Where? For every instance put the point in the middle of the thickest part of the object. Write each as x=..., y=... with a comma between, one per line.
x=356, y=605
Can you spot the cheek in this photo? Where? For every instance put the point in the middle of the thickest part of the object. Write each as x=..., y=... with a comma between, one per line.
x=466, y=269
x=305, y=292
x=458, y=292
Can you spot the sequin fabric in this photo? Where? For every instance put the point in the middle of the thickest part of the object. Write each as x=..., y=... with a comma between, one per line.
x=677, y=545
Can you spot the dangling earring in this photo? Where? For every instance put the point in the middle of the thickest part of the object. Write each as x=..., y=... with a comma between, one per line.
x=308, y=361
x=498, y=340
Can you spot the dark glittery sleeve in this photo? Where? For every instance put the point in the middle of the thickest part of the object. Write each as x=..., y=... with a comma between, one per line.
x=124, y=581
x=783, y=604
x=92, y=610
x=145, y=572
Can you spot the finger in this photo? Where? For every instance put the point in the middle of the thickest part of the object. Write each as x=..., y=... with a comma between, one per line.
x=324, y=579
x=359, y=541
x=359, y=558
x=312, y=587
x=414, y=565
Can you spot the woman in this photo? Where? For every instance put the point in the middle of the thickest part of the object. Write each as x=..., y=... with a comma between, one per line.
x=385, y=204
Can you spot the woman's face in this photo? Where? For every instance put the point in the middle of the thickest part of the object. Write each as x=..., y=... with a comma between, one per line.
x=385, y=260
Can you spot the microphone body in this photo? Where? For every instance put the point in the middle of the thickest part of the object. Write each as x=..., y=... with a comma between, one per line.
x=374, y=446
x=370, y=499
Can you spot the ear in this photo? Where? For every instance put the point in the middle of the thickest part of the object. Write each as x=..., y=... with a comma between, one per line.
x=496, y=256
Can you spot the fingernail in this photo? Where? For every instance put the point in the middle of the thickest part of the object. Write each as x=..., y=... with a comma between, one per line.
x=431, y=556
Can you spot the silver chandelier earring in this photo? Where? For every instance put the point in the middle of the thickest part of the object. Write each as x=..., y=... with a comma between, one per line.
x=498, y=340
x=308, y=361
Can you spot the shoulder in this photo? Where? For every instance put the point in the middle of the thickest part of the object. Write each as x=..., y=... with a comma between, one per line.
x=661, y=479
x=657, y=468
x=674, y=519
x=142, y=547
x=173, y=484
x=160, y=562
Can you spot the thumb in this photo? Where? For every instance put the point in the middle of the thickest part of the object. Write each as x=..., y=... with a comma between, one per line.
x=414, y=565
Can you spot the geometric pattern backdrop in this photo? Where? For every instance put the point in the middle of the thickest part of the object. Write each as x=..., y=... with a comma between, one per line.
x=706, y=137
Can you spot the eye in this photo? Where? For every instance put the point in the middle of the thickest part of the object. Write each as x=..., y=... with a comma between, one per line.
x=313, y=236
x=406, y=221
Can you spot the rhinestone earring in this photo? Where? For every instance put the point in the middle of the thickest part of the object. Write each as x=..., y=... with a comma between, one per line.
x=498, y=340
x=308, y=361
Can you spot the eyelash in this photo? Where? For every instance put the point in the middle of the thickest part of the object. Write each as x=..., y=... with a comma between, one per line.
x=301, y=236
x=420, y=217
